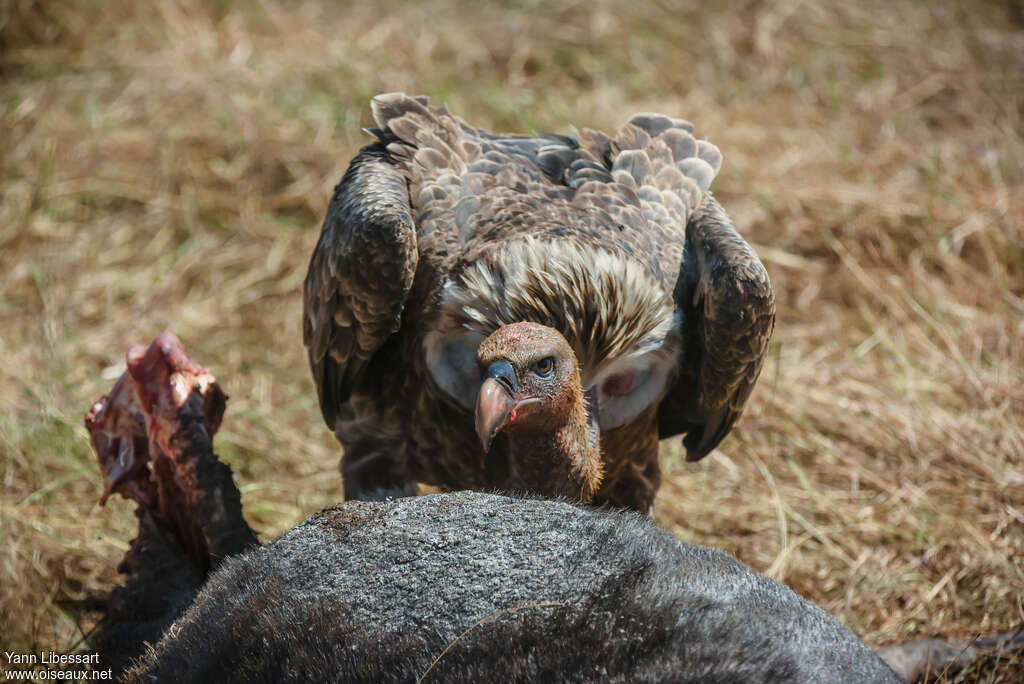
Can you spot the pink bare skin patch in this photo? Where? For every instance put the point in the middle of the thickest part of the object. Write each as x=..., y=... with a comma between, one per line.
x=619, y=385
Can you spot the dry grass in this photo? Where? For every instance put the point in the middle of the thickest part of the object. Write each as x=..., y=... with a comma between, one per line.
x=167, y=166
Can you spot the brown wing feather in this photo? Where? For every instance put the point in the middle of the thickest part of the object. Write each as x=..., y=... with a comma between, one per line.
x=728, y=307
x=359, y=276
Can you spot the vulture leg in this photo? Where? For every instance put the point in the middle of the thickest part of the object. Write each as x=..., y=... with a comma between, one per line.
x=635, y=484
x=153, y=439
x=635, y=489
x=370, y=472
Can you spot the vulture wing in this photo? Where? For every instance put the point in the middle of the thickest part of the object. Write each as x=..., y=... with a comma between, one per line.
x=723, y=297
x=359, y=277
x=726, y=302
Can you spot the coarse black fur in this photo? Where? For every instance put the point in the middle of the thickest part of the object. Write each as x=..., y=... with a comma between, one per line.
x=481, y=587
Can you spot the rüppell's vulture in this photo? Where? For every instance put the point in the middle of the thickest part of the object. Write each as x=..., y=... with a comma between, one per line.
x=440, y=233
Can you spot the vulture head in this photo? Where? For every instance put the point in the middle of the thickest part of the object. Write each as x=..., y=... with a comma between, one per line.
x=531, y=391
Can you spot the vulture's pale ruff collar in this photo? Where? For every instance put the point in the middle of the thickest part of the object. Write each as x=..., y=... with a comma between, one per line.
x=614, y=314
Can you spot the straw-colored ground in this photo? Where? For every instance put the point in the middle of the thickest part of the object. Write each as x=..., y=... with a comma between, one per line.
x=167, y=165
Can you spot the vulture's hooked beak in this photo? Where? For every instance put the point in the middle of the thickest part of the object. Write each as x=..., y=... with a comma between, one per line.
x=498, y=403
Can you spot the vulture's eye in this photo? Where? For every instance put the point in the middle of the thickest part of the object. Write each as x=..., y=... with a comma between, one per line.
x=544, y=367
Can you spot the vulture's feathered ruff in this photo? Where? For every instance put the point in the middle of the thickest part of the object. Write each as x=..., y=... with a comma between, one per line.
x=441, y=233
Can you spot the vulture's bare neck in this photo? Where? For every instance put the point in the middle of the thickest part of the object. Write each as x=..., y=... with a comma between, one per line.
x=562, y=460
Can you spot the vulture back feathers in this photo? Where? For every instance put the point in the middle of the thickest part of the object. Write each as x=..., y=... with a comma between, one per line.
x=440, y=233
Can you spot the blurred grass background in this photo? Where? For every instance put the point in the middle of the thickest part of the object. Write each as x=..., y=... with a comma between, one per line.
x=167, y=166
